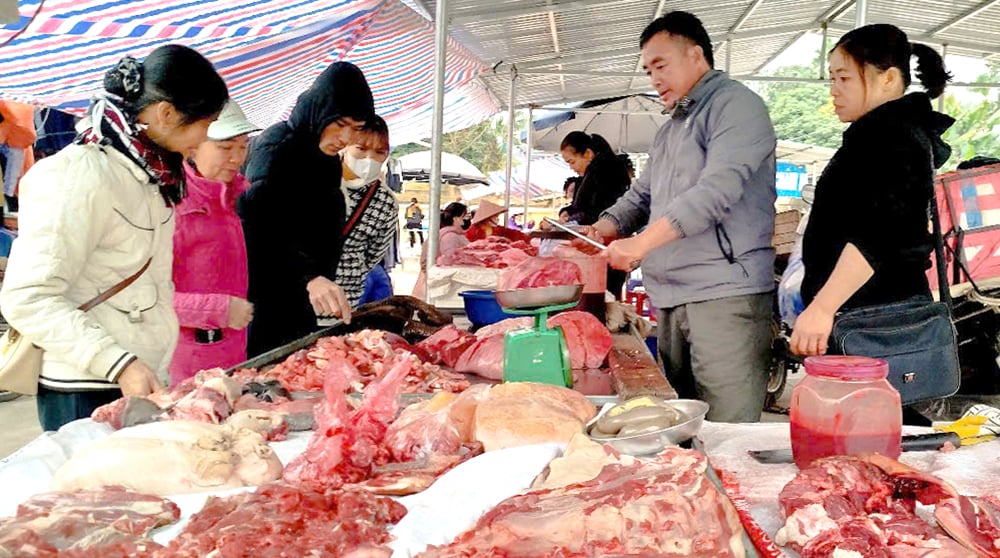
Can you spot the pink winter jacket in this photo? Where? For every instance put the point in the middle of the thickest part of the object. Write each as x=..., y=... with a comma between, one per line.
x=210, y=265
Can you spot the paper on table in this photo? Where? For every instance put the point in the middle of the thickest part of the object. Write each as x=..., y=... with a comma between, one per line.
x=457, y=500
x=29, y=470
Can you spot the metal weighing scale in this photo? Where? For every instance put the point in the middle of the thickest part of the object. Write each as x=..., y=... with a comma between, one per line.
x=538, y=354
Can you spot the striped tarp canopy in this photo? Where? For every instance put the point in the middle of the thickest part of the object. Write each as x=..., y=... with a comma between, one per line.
x=268, y=51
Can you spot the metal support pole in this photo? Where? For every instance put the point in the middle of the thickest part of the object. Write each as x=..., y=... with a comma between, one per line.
x=511, y=122
x=822, y=52
x=437, y=131
x=860, y=13
x=944, y=56
x=527, y=170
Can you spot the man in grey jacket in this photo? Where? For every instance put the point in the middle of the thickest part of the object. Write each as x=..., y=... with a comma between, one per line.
x=706, y=198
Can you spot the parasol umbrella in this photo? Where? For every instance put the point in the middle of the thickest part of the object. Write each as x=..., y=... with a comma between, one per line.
x=628, y=123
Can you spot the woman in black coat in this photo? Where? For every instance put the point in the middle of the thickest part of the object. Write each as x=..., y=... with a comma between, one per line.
x=294, y=212
x=603, y=176
x=867, y=240
x=603, y=179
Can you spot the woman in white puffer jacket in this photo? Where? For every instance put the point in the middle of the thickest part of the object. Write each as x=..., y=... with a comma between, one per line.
x=93, y=215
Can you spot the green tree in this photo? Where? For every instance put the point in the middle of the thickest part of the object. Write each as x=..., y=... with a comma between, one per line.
x=977, y=122
x=480, y=145
x=802, y=112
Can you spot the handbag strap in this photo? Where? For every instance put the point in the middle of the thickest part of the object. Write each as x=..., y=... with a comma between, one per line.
x=121, y=286
x=360, y=209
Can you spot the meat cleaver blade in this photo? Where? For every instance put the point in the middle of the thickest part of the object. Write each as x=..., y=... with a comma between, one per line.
x=919, y=442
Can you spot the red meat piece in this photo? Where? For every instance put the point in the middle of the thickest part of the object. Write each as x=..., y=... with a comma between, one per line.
x=588, y=340
x=283, y=520
x=541, y=272
x=484, y=358
x=85, y=523
x=447, y=345
x=347, y=445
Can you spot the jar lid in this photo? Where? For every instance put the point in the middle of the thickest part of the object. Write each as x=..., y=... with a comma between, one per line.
x=847, y=368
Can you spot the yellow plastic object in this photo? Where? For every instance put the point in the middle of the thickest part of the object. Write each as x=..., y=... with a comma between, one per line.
x=966, y=427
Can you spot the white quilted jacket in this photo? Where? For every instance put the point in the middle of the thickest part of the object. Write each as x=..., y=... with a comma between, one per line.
x=89, y=218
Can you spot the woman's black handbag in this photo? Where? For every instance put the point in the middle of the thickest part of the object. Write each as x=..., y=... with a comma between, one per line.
x=916, y=336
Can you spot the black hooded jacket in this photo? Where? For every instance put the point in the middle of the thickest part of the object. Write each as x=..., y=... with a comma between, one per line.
x=874, y=194
x=605, y=180
x=293, y=213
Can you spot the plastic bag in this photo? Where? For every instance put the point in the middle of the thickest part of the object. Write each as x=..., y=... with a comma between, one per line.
x=790, y=303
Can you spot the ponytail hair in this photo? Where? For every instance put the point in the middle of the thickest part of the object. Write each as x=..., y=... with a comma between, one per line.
x=930, y=69
x=582, y=141
x=885, y=46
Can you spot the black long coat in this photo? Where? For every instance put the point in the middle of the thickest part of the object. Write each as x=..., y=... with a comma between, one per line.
x=293, y=213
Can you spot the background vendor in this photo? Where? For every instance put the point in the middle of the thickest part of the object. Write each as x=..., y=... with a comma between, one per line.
x=485, y=223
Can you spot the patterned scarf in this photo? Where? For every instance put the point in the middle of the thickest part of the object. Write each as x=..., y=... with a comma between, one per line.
x=111, y=125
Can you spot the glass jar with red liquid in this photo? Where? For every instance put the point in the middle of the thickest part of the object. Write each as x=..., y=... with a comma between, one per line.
x=844, y=406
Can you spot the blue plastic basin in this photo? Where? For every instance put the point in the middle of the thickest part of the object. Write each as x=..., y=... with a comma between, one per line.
x=482, y=308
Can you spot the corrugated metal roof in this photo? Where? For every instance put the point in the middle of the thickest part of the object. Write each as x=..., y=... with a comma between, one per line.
x=581, y=37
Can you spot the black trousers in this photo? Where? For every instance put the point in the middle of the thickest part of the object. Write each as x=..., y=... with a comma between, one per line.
x=56, y=408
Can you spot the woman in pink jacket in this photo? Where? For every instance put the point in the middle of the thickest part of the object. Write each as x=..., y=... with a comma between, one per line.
x=210, y=256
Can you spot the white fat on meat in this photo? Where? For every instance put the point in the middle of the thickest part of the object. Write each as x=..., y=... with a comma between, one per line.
x=804, y=524
x=838, y=553
x=172, y=457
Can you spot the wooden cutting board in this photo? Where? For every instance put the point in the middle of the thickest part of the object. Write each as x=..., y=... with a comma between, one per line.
x=634, y=371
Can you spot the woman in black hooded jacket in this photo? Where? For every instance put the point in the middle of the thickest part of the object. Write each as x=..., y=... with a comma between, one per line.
x=867, y=240
x=294, y=213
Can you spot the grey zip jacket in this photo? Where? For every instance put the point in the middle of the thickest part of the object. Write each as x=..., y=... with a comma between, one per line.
x=711, y=174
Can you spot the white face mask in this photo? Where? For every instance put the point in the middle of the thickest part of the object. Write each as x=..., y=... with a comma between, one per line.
x=367, y=170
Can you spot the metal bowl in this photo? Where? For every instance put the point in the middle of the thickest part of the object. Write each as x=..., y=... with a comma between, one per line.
x=539, y=296
x=694, y=412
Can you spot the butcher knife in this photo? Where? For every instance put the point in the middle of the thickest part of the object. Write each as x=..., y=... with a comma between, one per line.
x=919, y=442
x=585, y=238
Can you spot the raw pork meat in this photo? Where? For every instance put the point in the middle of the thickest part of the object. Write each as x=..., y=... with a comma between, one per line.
x=864, y=505
x=424, y=429
x=410, y=477
x=664, y=507
x=495, y=251
x=523, y=413
x=586, y=338
x=974, y=522
x=540, y=272
x=484, y=358
x=503, y=326
x=370, y=356
x=188, y=457
x=447, y=345
x=348, y=445
x=88, y=521
x=283, y=520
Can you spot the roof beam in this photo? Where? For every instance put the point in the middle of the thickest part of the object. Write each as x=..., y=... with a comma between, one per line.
x=597, y=94
x=983, y=6
x=486, y=14
x=561, y=72
x=563, y=29
x=778, y=53
x=660, y=7
x=834, y=11
x=588, y=55
x=744, y=16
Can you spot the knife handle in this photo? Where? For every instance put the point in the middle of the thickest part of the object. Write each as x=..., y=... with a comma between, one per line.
x=930, y=442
